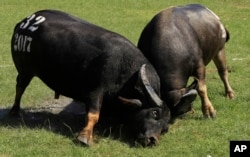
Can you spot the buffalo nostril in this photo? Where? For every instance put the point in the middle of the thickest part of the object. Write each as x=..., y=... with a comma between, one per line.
x=152, y=141
x=147, y=141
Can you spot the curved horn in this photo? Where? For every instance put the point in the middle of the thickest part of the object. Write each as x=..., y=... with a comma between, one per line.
x=153, y=97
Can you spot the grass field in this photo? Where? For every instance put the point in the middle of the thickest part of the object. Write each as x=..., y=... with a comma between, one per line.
x=191, y=136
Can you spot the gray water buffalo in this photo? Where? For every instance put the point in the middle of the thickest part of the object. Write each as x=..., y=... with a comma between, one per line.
x=180, y=42
x=90, y=64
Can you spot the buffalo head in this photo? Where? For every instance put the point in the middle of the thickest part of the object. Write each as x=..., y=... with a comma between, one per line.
x=152, y=115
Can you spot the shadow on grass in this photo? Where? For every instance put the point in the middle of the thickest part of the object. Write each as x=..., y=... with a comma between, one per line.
x=67, y=120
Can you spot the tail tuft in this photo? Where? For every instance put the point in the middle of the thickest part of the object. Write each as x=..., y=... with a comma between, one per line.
x=228, y=35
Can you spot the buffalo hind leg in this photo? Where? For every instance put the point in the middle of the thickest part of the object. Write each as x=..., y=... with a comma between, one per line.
x=220, y=62
x=207, y=107
x=56, y=95
x=22, y=82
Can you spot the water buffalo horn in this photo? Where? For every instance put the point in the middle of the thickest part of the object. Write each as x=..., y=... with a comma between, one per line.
x=151, y=94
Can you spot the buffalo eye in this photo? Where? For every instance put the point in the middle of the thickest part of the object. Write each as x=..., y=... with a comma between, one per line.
x=155, y=114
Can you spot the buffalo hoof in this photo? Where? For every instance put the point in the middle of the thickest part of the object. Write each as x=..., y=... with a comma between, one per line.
x=230, y=95
x=210, y=115
x=14, y=111
x=213, y=114
x=192, y=111
x=84, y=140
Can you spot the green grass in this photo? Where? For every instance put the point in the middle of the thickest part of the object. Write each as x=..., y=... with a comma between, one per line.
x=191, y=136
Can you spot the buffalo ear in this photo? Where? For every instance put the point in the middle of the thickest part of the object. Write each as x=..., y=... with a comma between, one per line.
x=185, y=103
x=130, y=102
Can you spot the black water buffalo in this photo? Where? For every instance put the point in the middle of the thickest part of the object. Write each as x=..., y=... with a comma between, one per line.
x=180, y=42
x=90, y=64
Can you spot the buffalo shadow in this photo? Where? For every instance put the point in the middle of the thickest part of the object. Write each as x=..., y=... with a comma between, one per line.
x=67, y=118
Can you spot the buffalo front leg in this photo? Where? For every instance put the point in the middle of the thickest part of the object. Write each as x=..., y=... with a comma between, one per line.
x=207, y=107
x=220, y=62
x=86, y=135
x=22, y=82
x=95, y=103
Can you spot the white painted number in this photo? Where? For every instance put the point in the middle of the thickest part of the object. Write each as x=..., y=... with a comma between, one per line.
x=24, y=25
x=22, y=43
x=31, y=24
